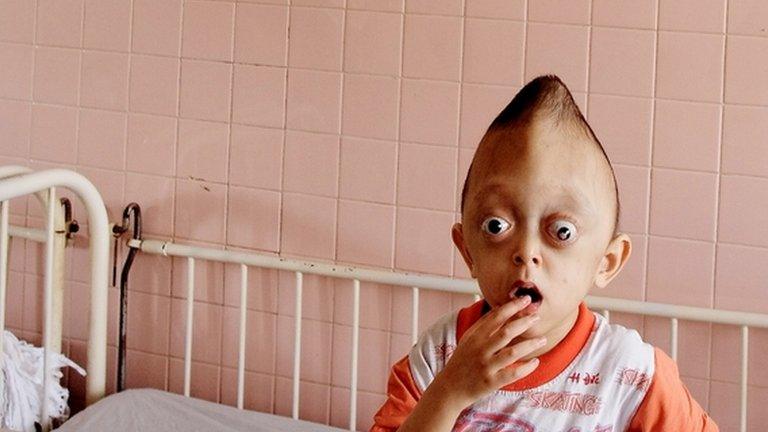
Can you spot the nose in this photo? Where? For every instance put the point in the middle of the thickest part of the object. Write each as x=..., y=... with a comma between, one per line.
x=527, y=258
x=527, y=251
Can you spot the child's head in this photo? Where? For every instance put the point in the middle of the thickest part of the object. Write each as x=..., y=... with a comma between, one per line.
x=540, y=205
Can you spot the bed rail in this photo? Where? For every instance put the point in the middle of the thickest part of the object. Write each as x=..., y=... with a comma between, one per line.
x=416, y=282
x=20, y=181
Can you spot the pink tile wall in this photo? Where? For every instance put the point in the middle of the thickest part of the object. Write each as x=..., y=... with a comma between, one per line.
x=348, y=140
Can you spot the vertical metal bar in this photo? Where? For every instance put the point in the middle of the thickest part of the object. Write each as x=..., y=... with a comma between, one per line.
x=414, y=315
x=297, y=346
x=241, y=348
x=744, y=363
x=673, y=339
x=47, y=305
x=607, y=315
x=57, y=287
x=3, y=272
x=190, y=323
x=355, y=340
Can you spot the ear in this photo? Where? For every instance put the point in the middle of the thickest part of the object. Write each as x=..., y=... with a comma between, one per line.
x=458, y=239
x=616, y=255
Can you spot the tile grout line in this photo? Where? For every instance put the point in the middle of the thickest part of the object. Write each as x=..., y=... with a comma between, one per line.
x=28, y=157
x=495, y=18
x=398, y=138
x=649, y=182
x=32, y=103
x=78, y=110
x=524, y=60
x=718, y=196
x=718, y=178
x=174, y=218
x=125, y=152
x=457, y=149
x=396, y=207
x=340, y=130
x=552, y=23
x=435, y=80
x=128, y=96
x=228, y=196
x=79, y=88
x=227, y=175
x=281, y=211
x=286, y=83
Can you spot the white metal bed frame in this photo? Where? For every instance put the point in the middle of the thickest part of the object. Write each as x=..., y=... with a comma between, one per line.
x=99, y=233
x=675, y=313
x=17, y=181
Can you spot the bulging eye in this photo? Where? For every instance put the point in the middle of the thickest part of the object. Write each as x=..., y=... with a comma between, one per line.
x=563, y=230
x=495, y=225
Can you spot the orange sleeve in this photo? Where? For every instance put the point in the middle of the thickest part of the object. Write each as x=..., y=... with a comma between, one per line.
x=402, y=395
x=668, y=406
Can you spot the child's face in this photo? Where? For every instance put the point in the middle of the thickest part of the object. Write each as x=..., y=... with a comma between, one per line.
x=543, y=212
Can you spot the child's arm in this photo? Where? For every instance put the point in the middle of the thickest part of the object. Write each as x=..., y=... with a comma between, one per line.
x=481, y=364
x=668, y=406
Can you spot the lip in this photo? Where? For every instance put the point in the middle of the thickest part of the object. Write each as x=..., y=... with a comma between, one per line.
x=521, y=283
x=534, y=306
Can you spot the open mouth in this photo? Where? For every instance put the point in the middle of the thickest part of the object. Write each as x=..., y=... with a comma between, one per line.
x=529, y=290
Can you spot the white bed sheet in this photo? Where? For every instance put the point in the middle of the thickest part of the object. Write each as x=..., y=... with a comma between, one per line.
x=155, y=410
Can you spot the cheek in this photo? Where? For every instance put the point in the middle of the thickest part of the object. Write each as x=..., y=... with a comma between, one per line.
x=572, y=273
x=491, y=275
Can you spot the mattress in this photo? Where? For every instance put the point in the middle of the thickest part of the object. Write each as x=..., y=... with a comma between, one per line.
x=155, y=410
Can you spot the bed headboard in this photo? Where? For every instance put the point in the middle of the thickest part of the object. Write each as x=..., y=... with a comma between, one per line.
x=17, y=181
x=415, y=283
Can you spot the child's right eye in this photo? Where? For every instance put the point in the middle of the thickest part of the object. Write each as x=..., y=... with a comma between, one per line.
x=495, y=225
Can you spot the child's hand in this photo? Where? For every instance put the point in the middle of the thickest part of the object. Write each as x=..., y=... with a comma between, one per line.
x=483, y=362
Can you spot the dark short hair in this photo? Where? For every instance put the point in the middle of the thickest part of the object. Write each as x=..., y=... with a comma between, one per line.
x=545, y=96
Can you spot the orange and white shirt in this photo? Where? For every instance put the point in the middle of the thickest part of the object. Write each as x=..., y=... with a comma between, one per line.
x=600, y=378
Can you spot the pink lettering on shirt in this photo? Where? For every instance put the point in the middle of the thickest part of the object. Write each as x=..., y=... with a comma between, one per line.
x=479, y=421
x=633, y=377
x=578, y=403
x=444, y=351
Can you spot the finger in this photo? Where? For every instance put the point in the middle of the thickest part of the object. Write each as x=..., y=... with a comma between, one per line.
x=494, y=319
x=510, y=330
x=511, y=374
x=509, y=355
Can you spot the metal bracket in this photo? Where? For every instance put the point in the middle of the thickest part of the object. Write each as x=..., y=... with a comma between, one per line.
x=117, y=232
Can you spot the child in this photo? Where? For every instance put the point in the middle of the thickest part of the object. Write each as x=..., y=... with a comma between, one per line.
x=539, y=222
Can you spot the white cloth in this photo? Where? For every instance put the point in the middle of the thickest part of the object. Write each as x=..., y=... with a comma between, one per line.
x=600, y=389
x=150, y=410
x=21, y=384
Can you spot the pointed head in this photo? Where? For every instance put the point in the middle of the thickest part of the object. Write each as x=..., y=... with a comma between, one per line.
x=540, y=208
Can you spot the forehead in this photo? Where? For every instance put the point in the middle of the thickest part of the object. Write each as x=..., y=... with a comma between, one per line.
x=506, y=191
x=540, y=167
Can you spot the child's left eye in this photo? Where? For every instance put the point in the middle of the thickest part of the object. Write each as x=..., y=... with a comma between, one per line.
x=563, y=230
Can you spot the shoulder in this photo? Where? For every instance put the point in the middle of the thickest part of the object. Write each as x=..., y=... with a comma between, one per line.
x=619, y=345
x=433, y=349
x=619, y=335
x=668, y=405
x=402, y=396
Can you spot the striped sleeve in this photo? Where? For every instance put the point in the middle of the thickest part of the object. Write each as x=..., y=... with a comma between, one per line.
x=668, y=406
